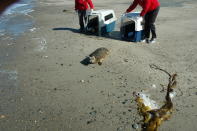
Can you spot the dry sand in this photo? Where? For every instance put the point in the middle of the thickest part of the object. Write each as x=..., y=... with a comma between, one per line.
x=45, y=87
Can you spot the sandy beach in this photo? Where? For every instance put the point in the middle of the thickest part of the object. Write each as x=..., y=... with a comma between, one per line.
x=44, y=86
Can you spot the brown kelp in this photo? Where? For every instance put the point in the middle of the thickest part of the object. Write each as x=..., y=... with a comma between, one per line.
x=153, y=118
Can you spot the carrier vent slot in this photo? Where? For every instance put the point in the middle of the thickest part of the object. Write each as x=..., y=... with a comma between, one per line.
x=107, y=17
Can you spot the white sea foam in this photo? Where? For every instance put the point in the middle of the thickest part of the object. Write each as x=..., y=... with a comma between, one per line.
x=172, y=94
x=13, y=8
x=42, y=44
x=2, y=32
x=16, y=14
x=147, y=101
x=32, y=29
x=11, y=75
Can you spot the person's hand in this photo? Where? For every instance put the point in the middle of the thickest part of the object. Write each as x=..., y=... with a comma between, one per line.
x=91, y=10
x=127, y=11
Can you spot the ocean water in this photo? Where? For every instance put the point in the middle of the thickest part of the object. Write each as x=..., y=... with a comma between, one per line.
x=16, y=20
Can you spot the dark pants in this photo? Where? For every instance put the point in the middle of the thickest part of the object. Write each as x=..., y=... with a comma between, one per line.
x=82, y=19
x=149, y=26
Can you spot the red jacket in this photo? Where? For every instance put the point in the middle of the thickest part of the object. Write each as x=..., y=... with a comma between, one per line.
x=83, y=4
x=147, y=5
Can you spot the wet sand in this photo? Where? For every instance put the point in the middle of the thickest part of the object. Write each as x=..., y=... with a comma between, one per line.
x=43, y=85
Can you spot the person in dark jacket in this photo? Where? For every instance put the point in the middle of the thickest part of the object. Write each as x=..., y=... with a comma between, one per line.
x=81, y=6
x=150, y=9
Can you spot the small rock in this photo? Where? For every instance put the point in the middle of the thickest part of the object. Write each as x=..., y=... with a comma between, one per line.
x=40, y=111
x=177, y=110
x=135, y=93
x=64, y=10
x=110, y=111
x=129, y=110
x=62, y=64
x=44, y=118
x=154, y=86
x=135, y=126
x=101, y=91
x=93, y=113
x=119, y=129
x=90, y=121
x=124, y=102
x=126, y=60
x=82, y=81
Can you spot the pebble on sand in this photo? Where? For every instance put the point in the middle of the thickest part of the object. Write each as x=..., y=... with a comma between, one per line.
x=82, y=81
x=135, y=126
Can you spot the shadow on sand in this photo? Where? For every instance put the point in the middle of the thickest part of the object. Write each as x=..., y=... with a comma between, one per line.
x=112, y=35
x=85, y=61
x=64, y=28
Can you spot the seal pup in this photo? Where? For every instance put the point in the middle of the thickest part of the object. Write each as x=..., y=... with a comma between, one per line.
x=98, y=55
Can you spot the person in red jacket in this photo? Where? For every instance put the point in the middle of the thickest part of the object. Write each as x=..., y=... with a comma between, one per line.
x=150, y=9
x=81, y=6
